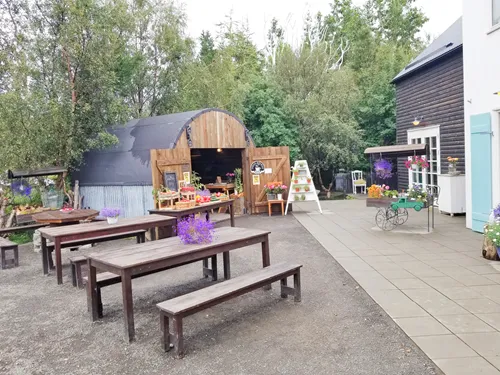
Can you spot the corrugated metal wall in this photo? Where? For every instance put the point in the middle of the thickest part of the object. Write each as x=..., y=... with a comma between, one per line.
x=132, y=200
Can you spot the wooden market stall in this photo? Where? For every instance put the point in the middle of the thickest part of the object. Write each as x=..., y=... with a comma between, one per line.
x=212, y=142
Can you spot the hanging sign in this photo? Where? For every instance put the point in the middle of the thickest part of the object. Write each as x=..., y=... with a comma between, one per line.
x=257, y=167
x=187, y=177
x=256, y=179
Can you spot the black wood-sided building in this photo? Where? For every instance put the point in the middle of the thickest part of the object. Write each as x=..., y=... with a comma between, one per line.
x=430, y=107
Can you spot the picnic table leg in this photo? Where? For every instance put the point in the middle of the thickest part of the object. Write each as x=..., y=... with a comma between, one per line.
x=266, y=261
x=227, y=265
x=57, y=249
x=128, y=305
x=45, y=259
x=231, y=214
x=92, y=303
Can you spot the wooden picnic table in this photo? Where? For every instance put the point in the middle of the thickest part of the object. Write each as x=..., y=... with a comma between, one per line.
x=134, y=260
x=85, y=231
x=58, y=217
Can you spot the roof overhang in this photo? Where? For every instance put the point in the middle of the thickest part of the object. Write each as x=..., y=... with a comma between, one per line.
x=38, y=172
x=398, y=150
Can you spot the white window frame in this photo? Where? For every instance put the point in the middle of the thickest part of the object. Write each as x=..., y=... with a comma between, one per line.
x=422, y=133
x=493, y=23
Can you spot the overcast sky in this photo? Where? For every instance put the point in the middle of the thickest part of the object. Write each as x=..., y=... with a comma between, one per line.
x=205, y=14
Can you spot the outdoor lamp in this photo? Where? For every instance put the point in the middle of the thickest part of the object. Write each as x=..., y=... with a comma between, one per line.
x=219, y=150
x=417, y=120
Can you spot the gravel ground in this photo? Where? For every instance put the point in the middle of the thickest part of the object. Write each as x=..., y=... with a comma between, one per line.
x=336, y=329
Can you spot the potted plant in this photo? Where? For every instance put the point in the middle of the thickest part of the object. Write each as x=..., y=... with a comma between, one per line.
x=269, y=190
x=452, y=166
x=492, y=232
x=303, y=197
x=111, y=214
x=279, y=190
x=297, y=188
x=296, y=181
x=309, y=180
x=230, y=176
x=383, y=169
x=195, y=230
x=295, y=172
x=296, y=198
x=416, y=162
x=301, y=164
x=307, y=189
x=416, y=193
x=375, y=191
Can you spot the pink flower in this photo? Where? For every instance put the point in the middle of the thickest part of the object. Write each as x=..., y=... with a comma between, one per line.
x=387, y=187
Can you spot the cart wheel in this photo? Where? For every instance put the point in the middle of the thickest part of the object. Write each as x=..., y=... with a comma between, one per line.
x=402, y=216
x=380, y=218
x=391, y=221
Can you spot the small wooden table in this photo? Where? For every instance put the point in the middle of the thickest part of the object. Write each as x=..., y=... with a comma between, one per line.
x=58, y=217
x=276, y=201
x=95, y=229
x=224, y=187
x=134, y=260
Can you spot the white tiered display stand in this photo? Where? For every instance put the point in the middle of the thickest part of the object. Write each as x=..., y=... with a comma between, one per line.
x=307, y=191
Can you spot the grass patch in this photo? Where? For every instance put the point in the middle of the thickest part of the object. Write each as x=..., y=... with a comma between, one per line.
x=22, y=237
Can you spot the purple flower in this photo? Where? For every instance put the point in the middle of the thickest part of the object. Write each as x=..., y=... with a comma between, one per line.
x=110, y=212
x=203, y=193
x=496, y=211
x=20, y=187
x=383, y=168
x=195, y=230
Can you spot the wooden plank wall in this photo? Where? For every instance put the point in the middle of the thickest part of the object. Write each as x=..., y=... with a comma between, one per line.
x=176, y=160
x=276, y=158
x=437, y=93
x=215, y=129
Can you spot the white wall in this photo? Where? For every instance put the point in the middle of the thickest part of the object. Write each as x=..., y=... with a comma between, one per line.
x=481, y=79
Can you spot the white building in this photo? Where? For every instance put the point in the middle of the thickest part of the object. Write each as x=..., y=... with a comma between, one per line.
x=481, y=54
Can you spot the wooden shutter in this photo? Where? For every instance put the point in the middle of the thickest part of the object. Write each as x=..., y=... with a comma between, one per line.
x=278, y=160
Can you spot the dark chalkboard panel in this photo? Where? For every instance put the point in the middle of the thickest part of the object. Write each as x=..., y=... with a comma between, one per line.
x=170, y=181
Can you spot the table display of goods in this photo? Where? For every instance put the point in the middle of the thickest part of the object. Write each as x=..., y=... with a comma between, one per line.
x=188, y=192
x=202, y=199
x=167, y=199
x=184, y=204
x=29, y=210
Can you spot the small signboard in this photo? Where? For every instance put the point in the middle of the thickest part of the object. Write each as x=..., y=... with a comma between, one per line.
x=256, y=179
x=187, y=177
x=170, y=180
x=257, y=167
x=268, y=171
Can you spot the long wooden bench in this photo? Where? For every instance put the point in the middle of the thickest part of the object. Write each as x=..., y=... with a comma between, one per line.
x=139, y=234
x=21, y=228
x=188, y=304
x=7, y=245
x=104, y=279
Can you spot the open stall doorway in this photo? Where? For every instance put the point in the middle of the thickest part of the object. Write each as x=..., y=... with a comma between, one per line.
x=211, y=163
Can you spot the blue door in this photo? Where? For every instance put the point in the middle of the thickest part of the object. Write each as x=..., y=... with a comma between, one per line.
x=480, y=128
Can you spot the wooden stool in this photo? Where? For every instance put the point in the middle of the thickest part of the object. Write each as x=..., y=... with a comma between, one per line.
x=276, y=201
x=6, y=245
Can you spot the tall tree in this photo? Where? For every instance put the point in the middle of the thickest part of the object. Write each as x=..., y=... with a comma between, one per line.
x=59, y=92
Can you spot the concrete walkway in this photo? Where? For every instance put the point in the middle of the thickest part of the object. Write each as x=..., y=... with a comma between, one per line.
x=435, y=286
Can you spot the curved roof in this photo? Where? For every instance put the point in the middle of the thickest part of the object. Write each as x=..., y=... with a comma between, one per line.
x=128, y=162
x=448, y=41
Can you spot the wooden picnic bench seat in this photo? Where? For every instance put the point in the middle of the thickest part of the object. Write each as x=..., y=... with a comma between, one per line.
x=104, y=279
x=7, y=245
x=188, y=304
x=21, y=228
x=77, y=262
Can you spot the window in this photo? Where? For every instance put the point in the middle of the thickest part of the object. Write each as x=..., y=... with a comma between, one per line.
x=426, y=177
x=496, y=12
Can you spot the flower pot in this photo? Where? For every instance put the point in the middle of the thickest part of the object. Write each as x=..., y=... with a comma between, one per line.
x=280, y=197
x=297, y=190
x=452, y=169
x=414, y=167
x=271, y=197
x=112, y=220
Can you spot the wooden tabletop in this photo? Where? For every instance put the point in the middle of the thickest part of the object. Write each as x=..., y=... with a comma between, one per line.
x=136, y=255
x=187, y=211
x=59, y=217
x=98, y=226
x=220, y=186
